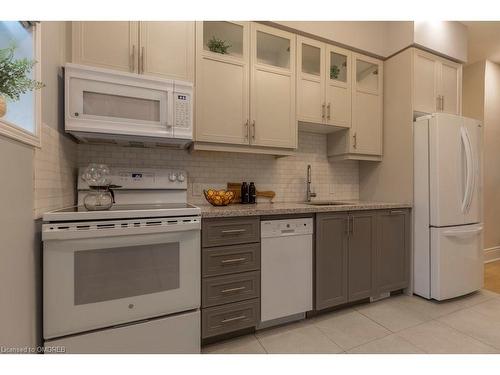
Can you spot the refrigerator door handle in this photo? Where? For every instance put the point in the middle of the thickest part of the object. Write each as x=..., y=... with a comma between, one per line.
x=468, y=159
x=472, y=170
x=463, y=233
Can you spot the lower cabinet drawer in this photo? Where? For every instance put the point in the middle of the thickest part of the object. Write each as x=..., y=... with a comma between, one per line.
x=228, y=318
x=230, y=288
x=230, y=259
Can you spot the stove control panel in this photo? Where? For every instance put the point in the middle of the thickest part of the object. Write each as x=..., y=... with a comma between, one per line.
x=144, y=178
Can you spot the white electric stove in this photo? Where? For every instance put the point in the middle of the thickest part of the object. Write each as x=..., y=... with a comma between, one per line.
x=125, y=280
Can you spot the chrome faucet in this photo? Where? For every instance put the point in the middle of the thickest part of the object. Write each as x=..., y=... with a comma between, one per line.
x=309, y=194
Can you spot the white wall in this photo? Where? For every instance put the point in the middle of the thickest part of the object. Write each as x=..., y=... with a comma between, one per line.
x=18, y=250
x=446, y=37
x=384, y=38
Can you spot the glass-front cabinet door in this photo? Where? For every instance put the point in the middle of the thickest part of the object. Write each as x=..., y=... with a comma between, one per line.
x=338, y=86
x=222, y=82
x=366, y=131
x=272, y=87
x=310, y=80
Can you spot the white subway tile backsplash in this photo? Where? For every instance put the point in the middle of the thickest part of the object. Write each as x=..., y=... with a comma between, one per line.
x=285, y=175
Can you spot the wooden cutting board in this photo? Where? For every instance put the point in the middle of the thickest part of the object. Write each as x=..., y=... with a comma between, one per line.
x=236, y=188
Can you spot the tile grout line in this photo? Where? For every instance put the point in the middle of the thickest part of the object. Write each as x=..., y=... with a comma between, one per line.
x=260, y=343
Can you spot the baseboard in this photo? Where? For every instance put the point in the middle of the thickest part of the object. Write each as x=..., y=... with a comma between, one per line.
x=491, y=254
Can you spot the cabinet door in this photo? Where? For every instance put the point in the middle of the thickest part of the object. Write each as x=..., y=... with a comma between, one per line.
x=106, y=44
x=450, y=87
x=338, y=87
x=311, y=106
x=167, y=49
x=425, y=82
x=222, y=82
x=331, y=260
x=392, y=262
x=361, y=251
x=366, y=131
x=272, y=87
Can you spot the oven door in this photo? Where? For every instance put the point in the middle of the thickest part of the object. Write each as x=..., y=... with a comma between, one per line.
x=101, y=274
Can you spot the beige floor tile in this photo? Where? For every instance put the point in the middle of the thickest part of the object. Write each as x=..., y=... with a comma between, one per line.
x=242, y=345
x=490, y=308
x=437, y=338
x=429, y=308
x=297, y=338
x=480, y=296
x=476, y=324
x=392, y=314
x=349, y=328
x=392, y=344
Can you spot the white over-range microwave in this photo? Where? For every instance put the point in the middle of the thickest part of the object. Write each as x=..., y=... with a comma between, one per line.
x=106, y=106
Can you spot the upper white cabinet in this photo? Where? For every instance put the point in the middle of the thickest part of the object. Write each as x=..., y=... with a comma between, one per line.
x=112, y=45
x=363, y=141
x=437, y=84
x=222, y=82
x=164, y=49
x=272, y=88
x=245, y=87
x=323, y=85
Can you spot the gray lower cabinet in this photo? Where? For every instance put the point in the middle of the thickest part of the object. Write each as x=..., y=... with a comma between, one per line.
x=230, y=287
x=331, y=260
x=392, y=265
x=360, y=254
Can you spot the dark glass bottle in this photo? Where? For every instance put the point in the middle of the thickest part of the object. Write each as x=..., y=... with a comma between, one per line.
x=252, y=193
x=245, y=193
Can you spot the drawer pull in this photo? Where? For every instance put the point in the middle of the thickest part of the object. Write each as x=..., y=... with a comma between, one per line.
x=397, y=212
x=235, y=260
x=233, y=231
x=233, y=289
x=229, y=320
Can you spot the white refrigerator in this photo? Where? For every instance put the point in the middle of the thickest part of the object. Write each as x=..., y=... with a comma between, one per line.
x=448, y=240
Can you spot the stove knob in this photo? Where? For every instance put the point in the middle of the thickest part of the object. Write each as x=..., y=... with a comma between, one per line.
x=172, y=177
x=181, y=177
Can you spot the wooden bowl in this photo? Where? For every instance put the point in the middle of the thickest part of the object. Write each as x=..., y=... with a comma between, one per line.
x=218, y=197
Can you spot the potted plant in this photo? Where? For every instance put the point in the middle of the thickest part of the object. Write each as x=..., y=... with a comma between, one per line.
x=14, y=79
x=218, y=45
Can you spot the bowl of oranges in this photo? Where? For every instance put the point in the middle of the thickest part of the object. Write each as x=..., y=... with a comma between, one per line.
x=218, y=197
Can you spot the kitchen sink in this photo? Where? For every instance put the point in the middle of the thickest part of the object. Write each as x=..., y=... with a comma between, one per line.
x=328, y=203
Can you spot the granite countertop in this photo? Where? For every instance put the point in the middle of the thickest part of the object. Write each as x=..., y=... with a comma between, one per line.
x=259, y=209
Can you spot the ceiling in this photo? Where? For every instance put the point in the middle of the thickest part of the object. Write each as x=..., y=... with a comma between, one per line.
x=483, y=41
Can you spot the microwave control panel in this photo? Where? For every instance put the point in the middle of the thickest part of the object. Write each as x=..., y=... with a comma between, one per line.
x=182, y=110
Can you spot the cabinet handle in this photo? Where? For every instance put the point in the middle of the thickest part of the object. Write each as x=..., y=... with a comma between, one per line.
x=133, y=58
x=328, y=111
x=235, y=260
x=438, y=103
x=233, y=289
x=352, y=225
x=247, y=130
x=232, y=231
x=323, y=110
x=253, y=130
x=442, y=102
x=142, y=59
x=355, y=138
x=397, y=212
x=234, y=319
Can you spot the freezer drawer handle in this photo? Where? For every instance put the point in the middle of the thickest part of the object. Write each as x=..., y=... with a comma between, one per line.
x=229, y=320
x=230, y=290
x=462, y=233
x=235, y=260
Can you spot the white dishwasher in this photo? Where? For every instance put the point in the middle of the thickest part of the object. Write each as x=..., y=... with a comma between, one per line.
x=286, y=270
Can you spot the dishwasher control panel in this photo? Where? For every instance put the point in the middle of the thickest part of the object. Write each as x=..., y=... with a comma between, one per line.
x=287, y=227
